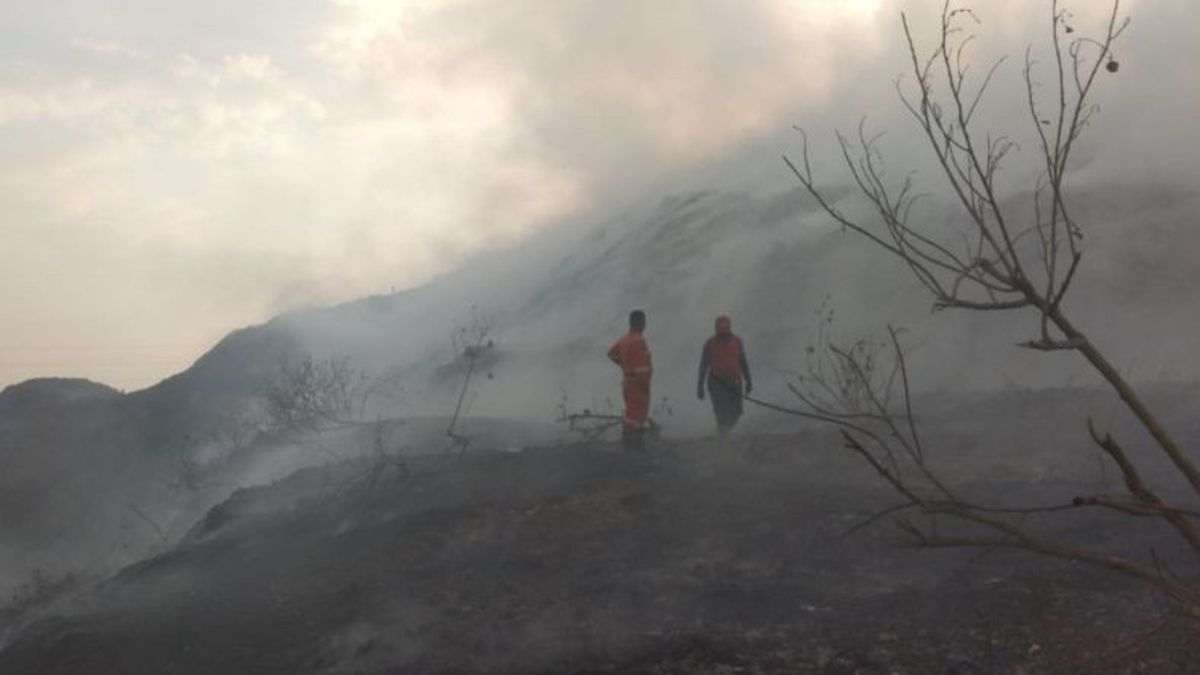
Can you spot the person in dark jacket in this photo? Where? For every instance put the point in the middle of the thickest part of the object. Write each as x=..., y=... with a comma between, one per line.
x=724, y=368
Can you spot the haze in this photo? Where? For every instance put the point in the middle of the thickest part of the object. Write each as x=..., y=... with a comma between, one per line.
x=171, y=174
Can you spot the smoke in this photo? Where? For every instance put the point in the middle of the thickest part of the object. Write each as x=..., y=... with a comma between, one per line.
x=176, y=181
x=182, y=173
x=546, y=166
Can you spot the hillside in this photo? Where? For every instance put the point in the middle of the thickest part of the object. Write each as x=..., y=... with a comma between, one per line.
x=769, y=259
x=94, y=480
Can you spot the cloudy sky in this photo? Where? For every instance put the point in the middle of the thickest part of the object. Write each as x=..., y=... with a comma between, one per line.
x=174, y=170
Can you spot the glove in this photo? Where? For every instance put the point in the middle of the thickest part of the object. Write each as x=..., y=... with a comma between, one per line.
x=700, y=392
x=749, y=387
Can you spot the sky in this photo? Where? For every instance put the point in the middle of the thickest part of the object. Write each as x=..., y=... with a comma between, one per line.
x=171, y=171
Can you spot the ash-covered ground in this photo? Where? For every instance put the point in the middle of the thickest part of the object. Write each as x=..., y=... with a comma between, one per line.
x=566, y=558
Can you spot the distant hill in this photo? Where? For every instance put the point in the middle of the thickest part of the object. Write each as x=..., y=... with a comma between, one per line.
x=51, y=392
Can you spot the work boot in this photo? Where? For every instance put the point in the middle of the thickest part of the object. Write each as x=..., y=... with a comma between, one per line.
x=632, y=440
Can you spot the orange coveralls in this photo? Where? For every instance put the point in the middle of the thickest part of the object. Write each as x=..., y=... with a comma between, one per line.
x=633, y=355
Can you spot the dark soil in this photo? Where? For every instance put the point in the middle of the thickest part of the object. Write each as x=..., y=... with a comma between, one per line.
x=692, y=559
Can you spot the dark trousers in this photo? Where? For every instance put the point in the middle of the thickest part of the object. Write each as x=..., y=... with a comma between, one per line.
x=726, y=396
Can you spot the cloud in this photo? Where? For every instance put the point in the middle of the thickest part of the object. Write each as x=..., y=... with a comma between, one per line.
x=110, y=49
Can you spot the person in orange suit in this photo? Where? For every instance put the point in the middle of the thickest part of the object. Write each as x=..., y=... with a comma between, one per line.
x=723, y=361
x=632, y=354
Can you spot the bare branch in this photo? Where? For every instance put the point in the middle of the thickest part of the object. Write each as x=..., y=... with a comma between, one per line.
x=1005, y=264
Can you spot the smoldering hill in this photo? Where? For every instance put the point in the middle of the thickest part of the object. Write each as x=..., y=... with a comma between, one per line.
x=770, y=260
x=81, y=461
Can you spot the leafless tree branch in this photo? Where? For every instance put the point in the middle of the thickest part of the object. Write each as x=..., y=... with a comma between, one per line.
x=1001, y=262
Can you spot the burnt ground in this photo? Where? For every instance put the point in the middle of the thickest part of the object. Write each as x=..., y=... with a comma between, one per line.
x=693, y=559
